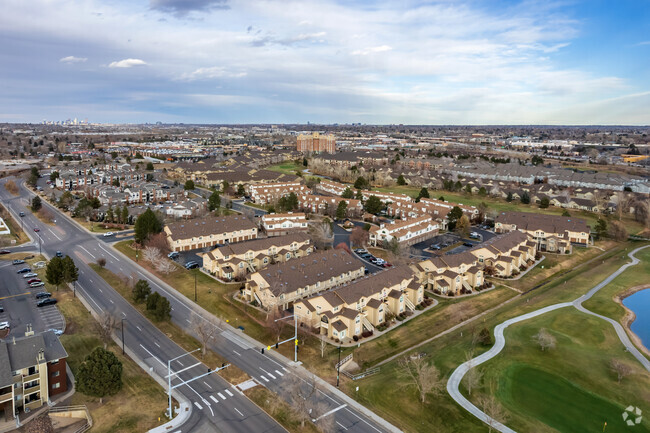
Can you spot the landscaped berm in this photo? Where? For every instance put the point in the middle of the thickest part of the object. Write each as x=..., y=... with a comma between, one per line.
x=571, y=387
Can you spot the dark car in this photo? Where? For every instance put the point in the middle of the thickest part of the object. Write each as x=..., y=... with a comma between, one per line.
x=24, y=270
x=5, y=252
x=366, y=271
x=468, y=244
x=173, y=255
x=43, y=295
x=191, y=265
x=2, y=310
x=22, y=214
x=18, y=262
x=59, y=254
x=46, y=301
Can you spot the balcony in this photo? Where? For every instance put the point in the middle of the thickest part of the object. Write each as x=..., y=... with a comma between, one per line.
x=34, y=404
x=32, y=389
x=6, y=397
x=31, y=377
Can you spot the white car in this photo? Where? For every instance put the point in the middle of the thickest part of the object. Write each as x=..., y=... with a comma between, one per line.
x=56, y=331
x=108, y=234
x=4, y=325
x=30, y=275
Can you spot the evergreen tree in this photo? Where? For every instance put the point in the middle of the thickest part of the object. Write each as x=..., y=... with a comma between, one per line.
x=347, y=193
x=342, y=210
x=146, y=225
x=36, y=204
x=159, y=307
x=150, y=166
x=453, y=216
x=214, y=201
x=141, y=291
x=189, y=185
x=100, y=374
x=373, y=205
x=241, y=190
x=69, y=271
x=600, y=228
x=400, y=180
x=525, y=198
x=125, y=214
x=54, y=272
x=544, y=203
x=109, y=214
x=424, y=193
x=361, y=183
x=509, y=198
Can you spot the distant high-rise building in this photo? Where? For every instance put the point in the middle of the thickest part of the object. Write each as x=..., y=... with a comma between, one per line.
x=316, y=143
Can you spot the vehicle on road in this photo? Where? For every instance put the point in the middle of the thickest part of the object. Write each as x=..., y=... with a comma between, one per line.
x=4, y=325
x=191, y=265
x=43, y=295
x=108, y=234
x=21, y=214
x=173, y=255
x=5, y=252
x=24, y=270
x=33, y=280
x=37, y=284
x=56, y=331
x=59, y=254
x=30, y=275
x=45, y=302
x=18, y=262
x=36, y=229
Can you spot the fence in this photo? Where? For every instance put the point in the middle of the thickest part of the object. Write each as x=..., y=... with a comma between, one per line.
x=366, y=373
x=80, y=411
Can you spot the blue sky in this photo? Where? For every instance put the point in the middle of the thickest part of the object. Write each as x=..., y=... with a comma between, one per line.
x=326, y=61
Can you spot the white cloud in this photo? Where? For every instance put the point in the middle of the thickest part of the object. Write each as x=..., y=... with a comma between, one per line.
x=127, y=63
x=73, y=59
x=379, y=49
x=211, y=73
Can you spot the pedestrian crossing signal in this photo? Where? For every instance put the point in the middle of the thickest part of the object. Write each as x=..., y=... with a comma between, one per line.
x=296, y=341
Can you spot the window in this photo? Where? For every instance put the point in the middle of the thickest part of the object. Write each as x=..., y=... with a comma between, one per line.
x=56, y=385
x=241, y=266
x=56, y=374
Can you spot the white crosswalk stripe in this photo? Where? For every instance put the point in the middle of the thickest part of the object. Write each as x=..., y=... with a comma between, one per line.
x=221, y=395
x=228, y=392
x=214, y=399
x=279, y=373
x=198, y=405
x=265, y=379
x=271, y=376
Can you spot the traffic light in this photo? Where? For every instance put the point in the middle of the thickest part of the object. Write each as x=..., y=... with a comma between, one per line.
x=262, y=351
x=223, y=365
x=276, y=345
x=209, y=369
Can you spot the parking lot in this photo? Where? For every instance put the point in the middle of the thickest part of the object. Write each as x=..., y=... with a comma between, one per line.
x=437, y=244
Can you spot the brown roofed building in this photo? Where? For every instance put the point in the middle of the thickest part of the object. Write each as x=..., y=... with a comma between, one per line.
x=209, y=231
x=279, y=224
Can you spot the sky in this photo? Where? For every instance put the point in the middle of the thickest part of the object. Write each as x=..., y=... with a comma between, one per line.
x=326, y=61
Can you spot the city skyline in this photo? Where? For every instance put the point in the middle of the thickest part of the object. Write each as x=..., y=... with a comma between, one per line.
x=223, y=61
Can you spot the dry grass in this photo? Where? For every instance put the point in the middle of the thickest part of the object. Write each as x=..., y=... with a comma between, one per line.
x=17, y=234
x=279, y=410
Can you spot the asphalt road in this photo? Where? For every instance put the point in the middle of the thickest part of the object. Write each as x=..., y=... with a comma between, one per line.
x=229, y=414
x=500, y=341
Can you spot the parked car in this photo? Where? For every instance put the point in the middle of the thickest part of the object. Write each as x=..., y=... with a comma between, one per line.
x=386, y=265
x=36, y=229
x=24, y=270
x=33, y=280
x=474, y=235
x=30, y=275
x=21, y=214
x=46, y=301
x=5, y=252
x=108, y=234
x=435, y=247
x=37, y=284
x=59, y=254
x=2, y=310
x=56, y=331
x=4, y=325
x=18, y=262
x=191, y=265
x=366, y=271
x=173, y=255
x=40, y=265
x=468, y=244
x=43, y=295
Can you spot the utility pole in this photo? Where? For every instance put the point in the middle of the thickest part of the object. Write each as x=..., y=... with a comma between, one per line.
x=294, y=339
x=194, y=286
x=338, y=368
x=122, y=335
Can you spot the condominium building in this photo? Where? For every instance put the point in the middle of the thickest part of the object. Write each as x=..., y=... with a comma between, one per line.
x=32, y=370
x=328, y=205
x=237, y=260
x=405, y=232
x=282, y=284
x=316, y=143
x=506, y=253
x=553, y=233
x=272, y=192
x=348, y=310
x=280, y=224
x=209, y=231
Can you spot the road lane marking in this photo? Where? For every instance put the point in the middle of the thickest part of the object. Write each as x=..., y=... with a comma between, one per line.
x=179, y=361
x=139, y=329
x=238, y=411
x=198, y=405
x=228, y=392
x=331, y=412
x=111, y=301
x=153, y=356
x=279, y=373
x=107, y=252
x=239, y=354
x=206, y=384
x=268, y=374
x=87, y=252
x=100, y=290
x=223, y=397
x=265, y=379
x=342, y=426
x=214, y=399
x=50, y=230
x=157, y=345
x=91, y=298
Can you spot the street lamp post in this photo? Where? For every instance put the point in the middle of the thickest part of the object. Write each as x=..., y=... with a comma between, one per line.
x=122, y=335
x=294, y=339
x=338, y=368
x=74, y=289
x=169, y=379
x=194, y=286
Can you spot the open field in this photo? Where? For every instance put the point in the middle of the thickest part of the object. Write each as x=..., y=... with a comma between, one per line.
x=501, y=205
x=140, y=403
x=441, y=413
x=287, y=167
x=569, y=388
x=232, y=374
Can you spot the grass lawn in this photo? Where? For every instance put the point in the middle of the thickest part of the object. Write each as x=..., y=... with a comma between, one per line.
x=569, y=388
x=603, y=303
x=279, y=410
x=501, y=205
x=233, y=374
x=97, y=227
x=287, y=167
x=14, y=227
x=140, y=403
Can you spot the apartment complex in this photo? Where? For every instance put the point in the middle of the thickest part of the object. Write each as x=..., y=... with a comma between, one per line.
x=237, y=260
x=438, y=209
x=209, y=231
x=506, y=254
x=551, y=233
x=272, y=192
x=328, y=205
x=405, y=232
x=346, y=311
x=281, y=284
x=280, y=224
x=316, y=143
x=32, y=370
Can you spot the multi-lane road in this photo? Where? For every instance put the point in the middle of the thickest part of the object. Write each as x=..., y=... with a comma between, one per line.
x=216, y=405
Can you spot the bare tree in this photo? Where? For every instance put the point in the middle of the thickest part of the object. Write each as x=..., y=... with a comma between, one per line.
x=152, y=255
x=106, y=325
x=424, y=376
x=620, y=369
x=473, y=376
x=166, y=266
x=101, y=262
x=301, y=393
x=205, y=330
x=492, y=408
x=322, y=235
x=545, y=339
x=617, y=231
x=274, y=324
x=359, y=237
x=159, y=240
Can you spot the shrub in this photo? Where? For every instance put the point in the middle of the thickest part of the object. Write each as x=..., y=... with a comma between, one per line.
x=355, y=338
x=366, y=334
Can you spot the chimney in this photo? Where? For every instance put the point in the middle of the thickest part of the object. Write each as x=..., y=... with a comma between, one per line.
x=29, y=332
